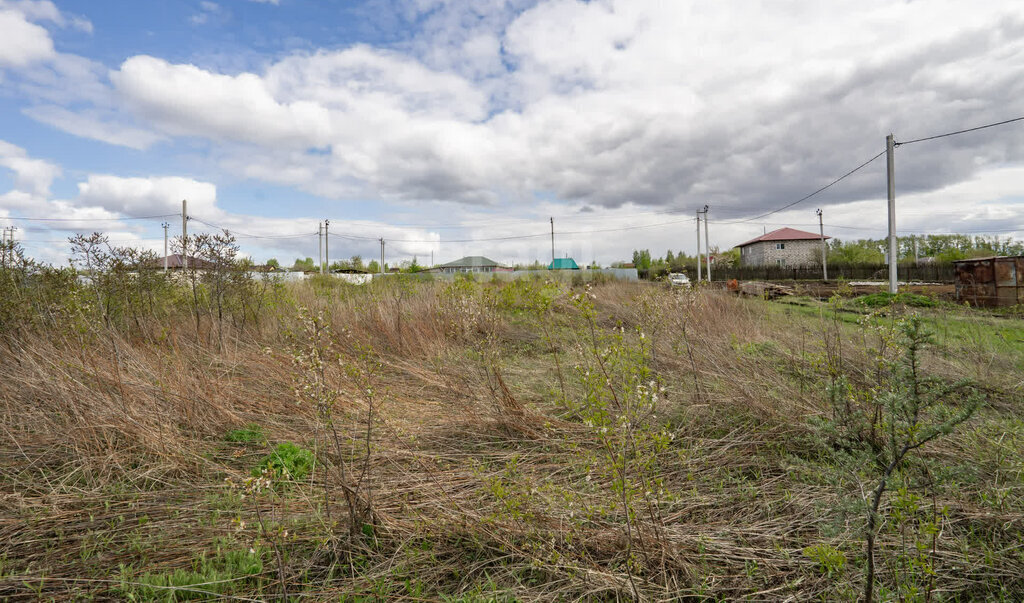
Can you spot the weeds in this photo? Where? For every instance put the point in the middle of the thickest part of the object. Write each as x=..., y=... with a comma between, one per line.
x=671, y=445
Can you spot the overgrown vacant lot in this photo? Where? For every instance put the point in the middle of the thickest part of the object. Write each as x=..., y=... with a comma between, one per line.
x=526, y=441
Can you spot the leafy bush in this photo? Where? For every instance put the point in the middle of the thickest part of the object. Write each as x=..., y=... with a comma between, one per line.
x=881, y=299
x=287, y=461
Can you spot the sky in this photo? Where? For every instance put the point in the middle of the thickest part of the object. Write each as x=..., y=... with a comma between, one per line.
x=463, y=127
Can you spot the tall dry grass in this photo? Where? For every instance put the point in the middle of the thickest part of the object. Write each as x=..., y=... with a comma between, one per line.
x=113, y=456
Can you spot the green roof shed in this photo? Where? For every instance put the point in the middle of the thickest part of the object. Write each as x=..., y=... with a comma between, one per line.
x=563, y=264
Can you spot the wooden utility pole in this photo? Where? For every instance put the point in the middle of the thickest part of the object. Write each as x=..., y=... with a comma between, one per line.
x=320, y=240
x=327, y=247
x=891, y=172
x=824, y=248
x=184, y=234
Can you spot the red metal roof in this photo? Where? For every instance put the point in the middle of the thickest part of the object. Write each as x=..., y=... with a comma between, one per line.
x=785, y=234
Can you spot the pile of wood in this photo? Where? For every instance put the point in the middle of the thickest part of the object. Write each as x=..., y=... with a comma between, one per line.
x=759, y=289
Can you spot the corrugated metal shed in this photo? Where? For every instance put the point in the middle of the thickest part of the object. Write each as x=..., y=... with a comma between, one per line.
x=991, y=281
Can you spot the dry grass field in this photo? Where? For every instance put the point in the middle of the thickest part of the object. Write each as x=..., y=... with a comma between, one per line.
x=475, y=441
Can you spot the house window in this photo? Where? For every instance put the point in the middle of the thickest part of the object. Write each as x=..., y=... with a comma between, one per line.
x=780, y=262
x=780, y=245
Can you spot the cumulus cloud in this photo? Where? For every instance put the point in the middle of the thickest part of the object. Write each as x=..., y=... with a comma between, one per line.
x=32, y=177
x=148, y=196
x=23, y=42
x=188, y=101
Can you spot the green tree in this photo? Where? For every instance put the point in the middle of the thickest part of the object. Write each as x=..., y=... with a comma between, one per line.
x=273, y=263
x=642, y=259
x=306, y=265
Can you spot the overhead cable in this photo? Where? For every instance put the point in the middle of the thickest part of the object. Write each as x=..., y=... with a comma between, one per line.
x=992, y=125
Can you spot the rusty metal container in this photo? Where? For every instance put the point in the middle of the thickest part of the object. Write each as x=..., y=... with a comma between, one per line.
x=992, y=281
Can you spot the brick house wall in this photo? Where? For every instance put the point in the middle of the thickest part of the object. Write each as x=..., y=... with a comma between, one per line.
x=793, y=253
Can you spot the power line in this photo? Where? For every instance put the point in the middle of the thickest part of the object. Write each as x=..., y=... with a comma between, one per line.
x=242, y=235
x=508, y=238
x=998, y=123
x=467, y=225
x=806, y=197
x=89, y=219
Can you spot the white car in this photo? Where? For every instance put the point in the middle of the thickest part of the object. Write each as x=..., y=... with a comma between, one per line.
x=678, y=279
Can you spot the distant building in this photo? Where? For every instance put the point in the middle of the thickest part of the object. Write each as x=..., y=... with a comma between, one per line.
x=174, y=262
x=472, y=263
x=563, y=264
x=782, y=247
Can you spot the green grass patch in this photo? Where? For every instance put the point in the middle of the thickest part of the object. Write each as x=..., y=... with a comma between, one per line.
x=209, y=576
x=882, y=299
x=251, y=433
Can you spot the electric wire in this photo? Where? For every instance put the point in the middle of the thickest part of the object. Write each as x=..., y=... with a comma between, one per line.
x=806, y=197
x=90, y=219
x=992, y=125
x=242, y=235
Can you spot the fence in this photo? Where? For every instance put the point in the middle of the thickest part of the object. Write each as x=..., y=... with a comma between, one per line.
x=932, y=273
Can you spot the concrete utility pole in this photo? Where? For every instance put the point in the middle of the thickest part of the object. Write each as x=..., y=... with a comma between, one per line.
x=552, y=242
x=891, y=171
x=707, y=243
x=6, y=240
x=698, y=245
x=824, y=248
x=320, y=246
x=382, y=255
x=165, y=225
x=915, y=251
x=184, y=234
x=327, y=247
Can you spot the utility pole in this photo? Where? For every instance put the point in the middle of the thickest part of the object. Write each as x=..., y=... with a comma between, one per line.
x=824, y=248
x=552, y=242
x=707, y=243
x=891, y=172
x=320, y=250
x=184, y=234
x=165, y=226
x=382, y=255
x=327, y=246
x=8, y=241
x=698, y=246
x=431, y=258
x=915, y=251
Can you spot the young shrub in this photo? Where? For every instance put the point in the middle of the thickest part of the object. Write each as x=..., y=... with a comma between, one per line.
x=915, y=410
x=287, y=461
